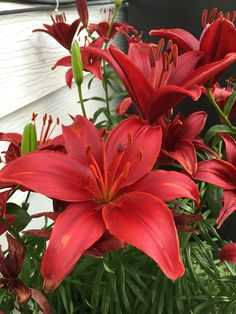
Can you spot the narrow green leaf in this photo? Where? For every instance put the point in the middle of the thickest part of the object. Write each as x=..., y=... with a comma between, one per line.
x=230, y=103
x=215, y=129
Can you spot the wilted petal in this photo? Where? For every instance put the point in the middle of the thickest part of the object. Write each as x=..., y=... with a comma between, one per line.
x=184, y=40
x=40, y=233
x=53, y=174
x=82, y=8
x=41, y=300
x=16, y=255
x=229, y=207
x=167, y=185
x=145, y=222
x=75, y=230
x=134, y=146
x=217, y=172
x=22, y=292
x=228, y=253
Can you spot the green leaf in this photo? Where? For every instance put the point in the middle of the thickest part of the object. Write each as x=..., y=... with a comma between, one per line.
x=107, y=269
x=22, y=217
x=230, y=103
x=215, y=129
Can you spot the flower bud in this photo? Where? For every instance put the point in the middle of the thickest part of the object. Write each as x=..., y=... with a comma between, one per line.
x=29, y=139
x=82, y=8
x=77, y=64
x=118, y=2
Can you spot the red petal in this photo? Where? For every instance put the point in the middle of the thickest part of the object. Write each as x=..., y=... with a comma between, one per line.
x=229, y=207
x=217, y=172
x=145, y=222
x=69, y=77
x=75, y=230
x=193, y=125
x=230, y=144
x=207, y=72
x=217, y=40
x=185, y=40
x=132, y=143
x=167, y=185
x=228, y=253
x=124, y=106
x=82, y=138
x=167, y=97
x=185, y=65
x=184, y=152
x=65, y=62
x=53, y=174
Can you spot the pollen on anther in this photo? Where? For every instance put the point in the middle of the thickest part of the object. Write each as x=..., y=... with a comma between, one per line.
x=204, y=18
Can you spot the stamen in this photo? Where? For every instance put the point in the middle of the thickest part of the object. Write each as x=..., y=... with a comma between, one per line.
x=159, y=49
x=152, y=58
x=48, y=129
x=204, y=18
x=43, y=127
x=220, y=15
x=212, y=15
x=227, y=15
x=169, y=45
x=175, y=53
x=232, y=16
x=123, y=175
x=165, y=61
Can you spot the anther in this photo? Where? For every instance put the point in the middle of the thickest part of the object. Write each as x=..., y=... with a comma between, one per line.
x=175, y=53
x=129, y=138
x=159, y=48
x=204, y=18
x=212, y=15
x=152, y=58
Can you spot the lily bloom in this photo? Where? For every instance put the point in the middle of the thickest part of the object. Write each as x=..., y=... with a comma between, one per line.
x=110, y=187
x=216, y=41
x=180, y=140
x=162, y=80
x=10, y=268
x=228, y=253
x=63, y=32
x=108, y=29
x=221, y=96
x=223, y=174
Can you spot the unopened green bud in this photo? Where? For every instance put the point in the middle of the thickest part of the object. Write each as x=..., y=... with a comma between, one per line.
x=118, y=2
x=29, y=139
x=77, y=64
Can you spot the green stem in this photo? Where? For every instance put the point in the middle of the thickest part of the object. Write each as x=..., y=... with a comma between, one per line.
x=25, y=203
x=81, y=100
x=106, y=94
x=10, y=229
x=219, y=111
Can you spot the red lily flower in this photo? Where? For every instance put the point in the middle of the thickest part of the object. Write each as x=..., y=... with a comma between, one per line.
x=221, y=96
x=159, y=83
x=82, y=8
x=222, y=174
x=107, y=31
x=10, y=268
x=216, y=41
x=63, y=32
x=111, y=188
x=180, y=140
x=91, y=63
x=228, y=253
